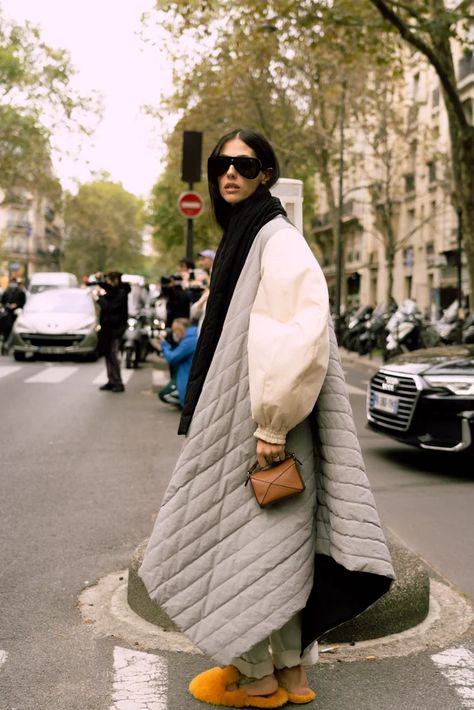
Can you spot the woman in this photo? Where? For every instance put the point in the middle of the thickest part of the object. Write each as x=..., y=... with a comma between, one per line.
x=265, y=379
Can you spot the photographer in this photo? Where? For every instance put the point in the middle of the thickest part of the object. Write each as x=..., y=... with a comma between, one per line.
x=179, y=359
x=113, y=303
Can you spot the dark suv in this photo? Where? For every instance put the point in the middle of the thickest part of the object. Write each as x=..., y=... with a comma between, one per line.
x=426, y=398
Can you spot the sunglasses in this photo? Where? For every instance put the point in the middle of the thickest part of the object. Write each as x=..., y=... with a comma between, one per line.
x=245, y=165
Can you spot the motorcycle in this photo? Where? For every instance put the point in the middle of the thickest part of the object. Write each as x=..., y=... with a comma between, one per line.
x=406, y=331
x=448, y=326
x=374, y=333
x=137, y=340
x=355, y=326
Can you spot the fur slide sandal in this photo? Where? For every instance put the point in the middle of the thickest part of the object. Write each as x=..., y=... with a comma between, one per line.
x=301, y=699
x=211, y=687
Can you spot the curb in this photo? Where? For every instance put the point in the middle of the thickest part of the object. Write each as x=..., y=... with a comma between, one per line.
x=105, y=610
x=404, y=606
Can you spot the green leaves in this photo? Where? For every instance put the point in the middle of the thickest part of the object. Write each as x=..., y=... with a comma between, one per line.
x=104, y=225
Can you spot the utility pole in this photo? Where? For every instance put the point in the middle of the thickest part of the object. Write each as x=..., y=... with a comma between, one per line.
x=339, y=235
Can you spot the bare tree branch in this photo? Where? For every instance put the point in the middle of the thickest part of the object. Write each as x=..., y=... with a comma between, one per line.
x=412, y=38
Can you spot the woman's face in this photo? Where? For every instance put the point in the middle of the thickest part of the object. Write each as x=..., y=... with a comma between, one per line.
x=233, y=187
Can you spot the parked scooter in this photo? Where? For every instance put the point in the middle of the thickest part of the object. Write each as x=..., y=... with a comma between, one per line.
x=448, y=326
x=355, y=326
x=136, y=342
x=374, y=333
x=468, y=329
x=406, y=331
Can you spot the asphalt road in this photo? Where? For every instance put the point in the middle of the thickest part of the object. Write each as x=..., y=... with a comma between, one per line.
x=81, y=476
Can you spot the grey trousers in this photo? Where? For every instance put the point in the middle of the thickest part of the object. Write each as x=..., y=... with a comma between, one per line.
x=282, y=649
x=112, y=363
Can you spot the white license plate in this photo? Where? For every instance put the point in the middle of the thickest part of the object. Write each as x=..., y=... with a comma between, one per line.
x=385, y=402
x=51, y=350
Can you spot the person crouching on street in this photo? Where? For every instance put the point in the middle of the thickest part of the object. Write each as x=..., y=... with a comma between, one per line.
x=179, y=358
x=113, y=303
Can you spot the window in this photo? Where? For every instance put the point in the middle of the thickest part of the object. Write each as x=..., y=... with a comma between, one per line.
x=431, y=171
x=466, y=65
x=408, y=258
x=410, y=182
x=435, y=98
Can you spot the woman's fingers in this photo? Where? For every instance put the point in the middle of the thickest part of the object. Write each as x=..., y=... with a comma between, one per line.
x=268, y=454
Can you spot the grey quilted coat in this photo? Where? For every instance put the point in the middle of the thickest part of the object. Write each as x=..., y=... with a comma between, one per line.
x=228, y=572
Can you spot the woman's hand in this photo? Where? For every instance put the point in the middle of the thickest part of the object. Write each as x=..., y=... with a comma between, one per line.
x=268, y=454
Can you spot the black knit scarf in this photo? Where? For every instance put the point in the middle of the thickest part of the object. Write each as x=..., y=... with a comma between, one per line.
x=247, y=218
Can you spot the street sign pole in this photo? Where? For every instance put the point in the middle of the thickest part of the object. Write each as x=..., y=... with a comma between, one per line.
x=189, y=234
x=190, y=205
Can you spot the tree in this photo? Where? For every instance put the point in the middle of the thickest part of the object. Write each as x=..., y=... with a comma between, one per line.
x=103, y=225
x=278, y=67
x=430, y=27
x=35, y=96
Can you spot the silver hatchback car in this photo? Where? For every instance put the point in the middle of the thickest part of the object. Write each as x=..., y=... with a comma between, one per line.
x=61, y=321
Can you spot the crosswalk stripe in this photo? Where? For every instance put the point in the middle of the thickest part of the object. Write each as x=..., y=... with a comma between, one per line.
x=3, y=657
x=6, y=370
x=140, y=681
x=457, y=666
x=52, y=375
x=102, y=378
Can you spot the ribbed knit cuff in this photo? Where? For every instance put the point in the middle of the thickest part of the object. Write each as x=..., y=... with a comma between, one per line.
x=271, y=436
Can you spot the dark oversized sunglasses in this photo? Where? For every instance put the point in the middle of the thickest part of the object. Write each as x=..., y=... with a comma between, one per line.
x=245, y=165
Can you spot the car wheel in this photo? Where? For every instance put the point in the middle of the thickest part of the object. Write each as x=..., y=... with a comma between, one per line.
x=19, y=357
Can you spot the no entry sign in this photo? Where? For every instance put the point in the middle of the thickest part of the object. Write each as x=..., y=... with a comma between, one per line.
x=190, y=204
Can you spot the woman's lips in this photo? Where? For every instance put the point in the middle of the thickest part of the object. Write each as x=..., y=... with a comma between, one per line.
x=231, y=187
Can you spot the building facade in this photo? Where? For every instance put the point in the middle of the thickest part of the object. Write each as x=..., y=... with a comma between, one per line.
x=408, y=184
x=31, y=236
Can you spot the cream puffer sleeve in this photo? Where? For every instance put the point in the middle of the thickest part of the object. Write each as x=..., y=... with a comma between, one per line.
x=288, y=344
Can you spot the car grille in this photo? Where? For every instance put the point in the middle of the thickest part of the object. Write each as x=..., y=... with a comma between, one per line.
x=407, y=394
x=57, y=341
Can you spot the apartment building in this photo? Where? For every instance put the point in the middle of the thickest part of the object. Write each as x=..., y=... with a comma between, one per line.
x=31, y=236
x=423, y=221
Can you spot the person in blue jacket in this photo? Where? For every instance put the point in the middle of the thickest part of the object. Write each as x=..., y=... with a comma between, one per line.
x=180, y=356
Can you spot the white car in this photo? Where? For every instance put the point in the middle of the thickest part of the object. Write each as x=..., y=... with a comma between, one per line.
x=60, y=321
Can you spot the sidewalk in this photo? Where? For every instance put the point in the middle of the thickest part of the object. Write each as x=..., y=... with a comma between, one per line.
x=371, y=362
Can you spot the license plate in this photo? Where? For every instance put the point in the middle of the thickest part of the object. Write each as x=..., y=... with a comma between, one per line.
x=50, y=350
x=385, y=402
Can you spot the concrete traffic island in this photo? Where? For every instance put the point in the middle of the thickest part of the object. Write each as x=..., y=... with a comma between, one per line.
x=406, y=604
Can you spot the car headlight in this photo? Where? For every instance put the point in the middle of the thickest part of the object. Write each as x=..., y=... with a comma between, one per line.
x=457, y=384
x=87, y=327
x=20, y=327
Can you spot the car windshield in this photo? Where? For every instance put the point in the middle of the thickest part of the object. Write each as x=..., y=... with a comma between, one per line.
x=60, y=301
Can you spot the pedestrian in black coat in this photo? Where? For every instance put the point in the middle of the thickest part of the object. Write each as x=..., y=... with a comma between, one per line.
x=113, y=302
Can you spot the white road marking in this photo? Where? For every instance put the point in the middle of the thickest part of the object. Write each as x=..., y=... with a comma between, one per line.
x=102, y=378
x=3, y=657
x=457, y=666
x=355, y=390
x=6, y=370
x=140, y=681
x=52, y=375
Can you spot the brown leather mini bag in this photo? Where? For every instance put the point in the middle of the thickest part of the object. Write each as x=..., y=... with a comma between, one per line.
x=277, y=482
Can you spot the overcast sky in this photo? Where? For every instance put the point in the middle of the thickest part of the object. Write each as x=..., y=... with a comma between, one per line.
x=109, y=56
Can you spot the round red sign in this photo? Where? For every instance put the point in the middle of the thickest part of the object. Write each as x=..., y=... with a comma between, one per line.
x=190, y=204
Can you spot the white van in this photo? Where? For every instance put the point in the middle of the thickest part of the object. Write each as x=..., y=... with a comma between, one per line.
x=42, y=280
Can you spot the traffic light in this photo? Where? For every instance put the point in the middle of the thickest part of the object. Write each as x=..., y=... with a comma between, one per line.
x=192, y=150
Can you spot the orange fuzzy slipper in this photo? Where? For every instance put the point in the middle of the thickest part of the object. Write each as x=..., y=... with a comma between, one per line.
x=211, y=687
x=301, y=699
